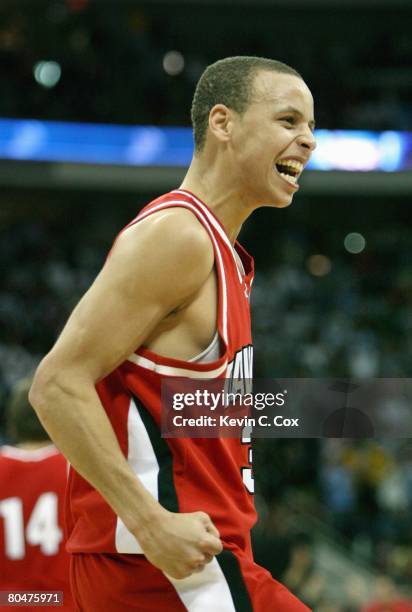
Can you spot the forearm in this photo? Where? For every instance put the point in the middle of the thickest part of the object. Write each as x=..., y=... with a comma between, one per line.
x=75, y=419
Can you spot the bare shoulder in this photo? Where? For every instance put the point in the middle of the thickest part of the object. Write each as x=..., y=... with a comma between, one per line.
x=156, y=266
x=172, y=244
x=173, y=227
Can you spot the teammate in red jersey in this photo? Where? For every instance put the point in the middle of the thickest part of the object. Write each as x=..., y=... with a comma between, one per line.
x=148, y=517
x=33, y=478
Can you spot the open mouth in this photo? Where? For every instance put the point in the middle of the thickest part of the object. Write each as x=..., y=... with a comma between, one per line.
x=289, y=170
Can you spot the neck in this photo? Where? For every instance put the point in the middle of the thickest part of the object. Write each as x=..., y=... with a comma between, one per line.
x=212, y=183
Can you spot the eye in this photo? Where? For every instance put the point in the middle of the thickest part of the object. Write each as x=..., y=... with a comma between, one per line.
x=289, y=119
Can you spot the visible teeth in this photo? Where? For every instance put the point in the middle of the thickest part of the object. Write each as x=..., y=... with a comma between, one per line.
x=288, y=177
x=292, y=163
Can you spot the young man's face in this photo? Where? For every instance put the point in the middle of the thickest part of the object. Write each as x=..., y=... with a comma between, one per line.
x=276, y=127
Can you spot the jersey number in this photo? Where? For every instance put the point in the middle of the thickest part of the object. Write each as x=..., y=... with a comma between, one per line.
x=42, y=527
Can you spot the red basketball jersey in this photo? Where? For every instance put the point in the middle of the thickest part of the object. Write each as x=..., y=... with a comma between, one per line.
x=32, y=548
x=184, y=475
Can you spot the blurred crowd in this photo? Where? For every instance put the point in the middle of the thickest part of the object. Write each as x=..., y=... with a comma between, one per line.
x=332, y=500
x=138, y=62
x=353, y=320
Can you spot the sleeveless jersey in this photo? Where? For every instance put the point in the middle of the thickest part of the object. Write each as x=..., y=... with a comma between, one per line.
x=32, y=549
x=183, y=474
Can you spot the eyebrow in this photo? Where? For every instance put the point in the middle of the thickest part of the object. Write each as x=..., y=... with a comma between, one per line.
x=295, y=111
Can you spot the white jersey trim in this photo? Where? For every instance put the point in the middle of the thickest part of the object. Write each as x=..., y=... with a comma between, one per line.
x=142, y=459
x=144, y=362
x=206, y=590
x=25, y=454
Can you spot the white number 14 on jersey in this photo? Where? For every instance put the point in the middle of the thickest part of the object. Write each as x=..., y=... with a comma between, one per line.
x=42, y=527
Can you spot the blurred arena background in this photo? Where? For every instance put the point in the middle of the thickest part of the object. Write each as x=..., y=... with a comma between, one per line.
x=333, y=290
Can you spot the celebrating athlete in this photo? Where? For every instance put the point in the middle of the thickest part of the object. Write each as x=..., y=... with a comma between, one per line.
x=158, y=524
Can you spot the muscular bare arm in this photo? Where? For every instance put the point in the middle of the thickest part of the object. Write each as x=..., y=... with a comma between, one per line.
x=155, y=267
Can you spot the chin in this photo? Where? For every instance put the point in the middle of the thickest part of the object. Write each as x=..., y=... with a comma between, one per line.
x=282, y=202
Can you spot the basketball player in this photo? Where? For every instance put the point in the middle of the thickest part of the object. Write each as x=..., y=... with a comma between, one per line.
x=33, y=477
x=165, y=525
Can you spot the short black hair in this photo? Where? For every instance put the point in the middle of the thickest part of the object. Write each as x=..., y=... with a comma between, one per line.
x=228, y=81
x=22, y=423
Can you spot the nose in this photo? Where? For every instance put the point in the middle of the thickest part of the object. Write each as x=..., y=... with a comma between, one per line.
x=307, y=139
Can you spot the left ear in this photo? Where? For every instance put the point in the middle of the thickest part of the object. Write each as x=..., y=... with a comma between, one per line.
x=221, y=122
